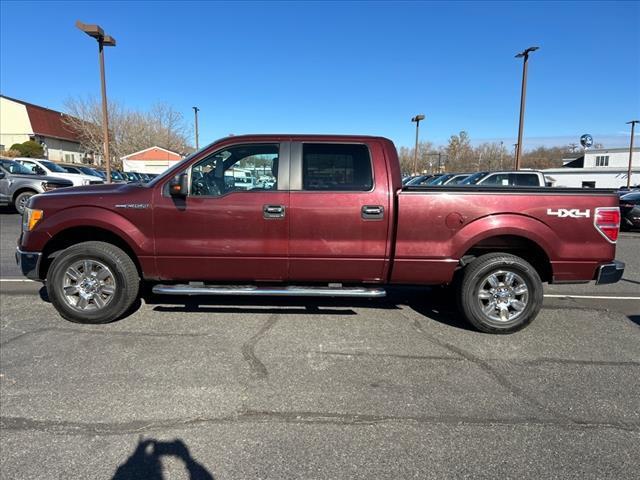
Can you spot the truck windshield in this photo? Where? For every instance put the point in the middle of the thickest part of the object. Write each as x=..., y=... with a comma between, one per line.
x=53, y=167
x=15, y=168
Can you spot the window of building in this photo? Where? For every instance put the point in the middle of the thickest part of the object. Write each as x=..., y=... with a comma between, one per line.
x=341, y=167
x=602, y=161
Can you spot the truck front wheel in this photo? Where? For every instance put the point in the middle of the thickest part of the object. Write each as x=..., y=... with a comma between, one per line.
x=92, y=282
x=500, y=293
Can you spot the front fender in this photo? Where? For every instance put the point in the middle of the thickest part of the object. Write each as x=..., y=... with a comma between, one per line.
x=92, y=217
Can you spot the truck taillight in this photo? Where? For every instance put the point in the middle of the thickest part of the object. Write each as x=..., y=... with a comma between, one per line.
x=607, y=222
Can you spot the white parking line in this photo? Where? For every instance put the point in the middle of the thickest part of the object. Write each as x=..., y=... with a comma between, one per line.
x=548, y=295
x=595, y=297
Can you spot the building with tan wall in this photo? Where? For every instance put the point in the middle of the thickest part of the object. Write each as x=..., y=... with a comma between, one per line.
x=22, y=121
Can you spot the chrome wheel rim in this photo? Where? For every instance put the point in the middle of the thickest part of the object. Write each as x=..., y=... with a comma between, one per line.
x=503, y=296
x=88, y=285
x=22, y=202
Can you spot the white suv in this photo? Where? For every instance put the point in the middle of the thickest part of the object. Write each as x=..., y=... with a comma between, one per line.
x=519, y=178
x=45, y=167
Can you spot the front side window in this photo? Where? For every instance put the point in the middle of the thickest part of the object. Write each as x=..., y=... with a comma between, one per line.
x=338, y=167
x=236, y=169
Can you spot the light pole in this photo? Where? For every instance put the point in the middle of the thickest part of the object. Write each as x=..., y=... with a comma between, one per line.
x=633, y=125
x=195, y=111
x=104, y=40
x=416, y=119
x=523, y=94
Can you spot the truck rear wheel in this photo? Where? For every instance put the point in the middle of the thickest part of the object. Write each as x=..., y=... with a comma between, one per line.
x=92, y=282
x=500, y=293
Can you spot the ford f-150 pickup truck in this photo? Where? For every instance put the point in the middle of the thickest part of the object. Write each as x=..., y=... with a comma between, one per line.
x=336, y=222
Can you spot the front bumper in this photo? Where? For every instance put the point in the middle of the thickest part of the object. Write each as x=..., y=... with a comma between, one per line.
x=29, y=263
x=610, y=272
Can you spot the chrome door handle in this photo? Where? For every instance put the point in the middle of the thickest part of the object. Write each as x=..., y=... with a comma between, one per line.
x=273, y=211
x=372, y=212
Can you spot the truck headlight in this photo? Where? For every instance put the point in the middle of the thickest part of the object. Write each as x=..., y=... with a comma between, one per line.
x=30, y=218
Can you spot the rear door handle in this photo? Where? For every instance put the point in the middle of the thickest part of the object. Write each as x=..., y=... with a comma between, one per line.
x=273, y=211
x=372, y=212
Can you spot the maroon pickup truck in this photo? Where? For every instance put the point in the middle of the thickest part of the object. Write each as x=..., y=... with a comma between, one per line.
x=306, y=215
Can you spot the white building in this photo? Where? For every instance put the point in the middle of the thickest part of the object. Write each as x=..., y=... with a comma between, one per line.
x=21, y=121
x=601, y=168
x=150, y=160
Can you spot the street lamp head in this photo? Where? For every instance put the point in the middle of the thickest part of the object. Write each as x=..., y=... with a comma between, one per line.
x=526, y=52
x=632, y=122
x=418, y=118
x=96, y=32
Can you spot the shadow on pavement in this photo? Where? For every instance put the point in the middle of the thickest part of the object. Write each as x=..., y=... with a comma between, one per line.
x=437, y=304
x=635, y=319
x=144, y=462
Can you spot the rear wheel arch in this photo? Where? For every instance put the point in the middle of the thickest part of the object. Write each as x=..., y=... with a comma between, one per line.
x=513, y=244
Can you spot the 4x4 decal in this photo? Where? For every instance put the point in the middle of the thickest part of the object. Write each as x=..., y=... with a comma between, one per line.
x=569, y=213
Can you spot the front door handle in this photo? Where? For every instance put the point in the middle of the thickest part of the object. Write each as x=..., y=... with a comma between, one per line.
x=372, y=212
x=273, y=211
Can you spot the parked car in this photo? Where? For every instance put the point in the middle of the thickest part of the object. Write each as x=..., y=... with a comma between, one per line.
x=439, y=179
x=18, y=184
x=338, y=223
x=456, y=179
x=519, y=178
x=630, y=211
x=81, y=169
x=51, y=169
x=419, y=180
x=116, y=176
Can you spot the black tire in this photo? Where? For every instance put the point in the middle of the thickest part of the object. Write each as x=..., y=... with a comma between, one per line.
x=124, y=279
x=22, y=199
x=481, y=312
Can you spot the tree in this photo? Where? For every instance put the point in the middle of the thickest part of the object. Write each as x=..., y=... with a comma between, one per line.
x=426, y=160
x=460, y=153
x=129, y=130
x=29, y=149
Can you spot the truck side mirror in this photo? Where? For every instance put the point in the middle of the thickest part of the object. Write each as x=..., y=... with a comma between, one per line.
x=2, y=175
x=179, y=186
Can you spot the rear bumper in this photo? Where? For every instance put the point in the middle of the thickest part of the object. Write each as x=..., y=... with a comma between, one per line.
x=29, y=263
x=609, y=273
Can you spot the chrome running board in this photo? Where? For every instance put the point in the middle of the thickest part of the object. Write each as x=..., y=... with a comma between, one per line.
x=291, y=291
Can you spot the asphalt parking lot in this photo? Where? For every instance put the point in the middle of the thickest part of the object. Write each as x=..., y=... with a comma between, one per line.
x=278, y=388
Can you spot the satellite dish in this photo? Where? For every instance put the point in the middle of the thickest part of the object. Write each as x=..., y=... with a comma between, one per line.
x=586, y=140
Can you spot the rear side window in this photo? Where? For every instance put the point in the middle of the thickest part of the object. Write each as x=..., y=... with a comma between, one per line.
x=342, y=167
x=527, y=180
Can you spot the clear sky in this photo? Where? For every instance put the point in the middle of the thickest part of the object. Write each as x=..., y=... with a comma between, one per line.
x=338, y=67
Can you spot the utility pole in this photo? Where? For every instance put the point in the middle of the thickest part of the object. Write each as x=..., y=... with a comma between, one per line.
x=523, y=95
x=633, y=125
x=416, y=119
x=104, y=40
x=195, y=111
x=501, y=152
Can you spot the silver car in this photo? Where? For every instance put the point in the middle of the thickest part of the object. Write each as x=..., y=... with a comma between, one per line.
x=18, y=184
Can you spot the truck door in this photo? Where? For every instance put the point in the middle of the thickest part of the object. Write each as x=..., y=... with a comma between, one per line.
x=223, y=231
x=339, y=212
